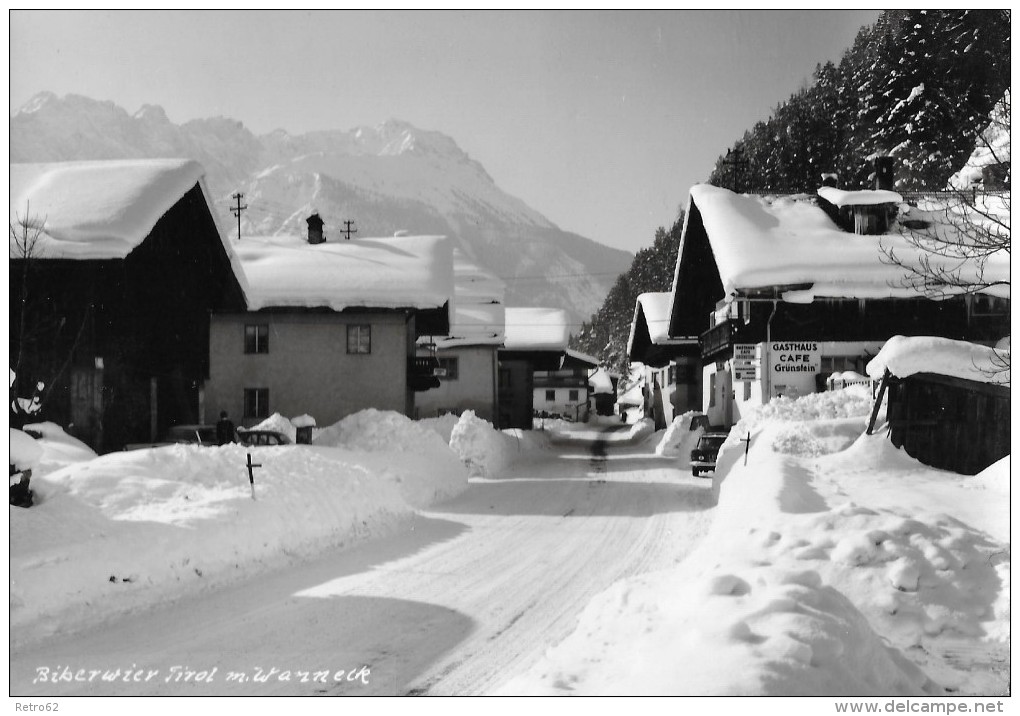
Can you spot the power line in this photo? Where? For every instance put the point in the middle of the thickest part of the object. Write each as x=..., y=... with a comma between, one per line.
x=236, y=211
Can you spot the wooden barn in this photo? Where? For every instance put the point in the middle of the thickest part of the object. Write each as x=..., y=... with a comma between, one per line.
x=948, y=401
x=115, y=267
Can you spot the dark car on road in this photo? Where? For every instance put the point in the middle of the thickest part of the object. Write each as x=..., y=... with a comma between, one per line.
x=704, y=456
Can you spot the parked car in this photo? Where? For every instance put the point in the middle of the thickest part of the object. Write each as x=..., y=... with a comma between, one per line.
x=182, y=435
x=704, y=456
x=254, y=438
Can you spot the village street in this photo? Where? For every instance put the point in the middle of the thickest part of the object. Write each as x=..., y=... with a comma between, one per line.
x=464, y=598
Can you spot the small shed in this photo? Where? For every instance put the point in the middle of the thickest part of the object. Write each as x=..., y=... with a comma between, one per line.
x=948, y=401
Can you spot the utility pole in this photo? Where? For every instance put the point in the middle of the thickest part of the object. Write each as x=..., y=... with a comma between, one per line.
x=348, y=230
x=236, y=211
x=736, y=165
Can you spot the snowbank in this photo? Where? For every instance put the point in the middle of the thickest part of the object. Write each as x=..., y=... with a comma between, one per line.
x=904, y=356
x=58, y=448
x=824, y=573
x=128, y=530
x=485, y=451
x=679, y=439
x=442, y=425
x=25, y=452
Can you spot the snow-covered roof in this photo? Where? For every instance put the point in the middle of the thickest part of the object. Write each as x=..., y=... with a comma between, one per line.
x=97, y=209
x=842, y=198
x=904, y=356
x=601, y=382
x=582, y=357
x=536, y=329
x=993, y=147
x=395, y=272
x=761, y=242
x=478, y=312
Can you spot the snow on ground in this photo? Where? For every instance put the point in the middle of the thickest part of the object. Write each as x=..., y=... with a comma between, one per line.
x=678, y=439
x=128, y=530
x=835, y=565
x=486, y=451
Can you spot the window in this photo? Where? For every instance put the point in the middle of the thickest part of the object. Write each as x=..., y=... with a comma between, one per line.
x=550, y=396
x=256, y=403
x=359, y=339
x=256, y=338
x=574, y=396
x=450, y=366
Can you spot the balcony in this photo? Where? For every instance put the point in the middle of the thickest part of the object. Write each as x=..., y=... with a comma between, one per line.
x=423, y=373
x=717, y=342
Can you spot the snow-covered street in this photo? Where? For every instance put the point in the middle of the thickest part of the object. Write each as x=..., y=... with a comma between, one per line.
x=465, y=596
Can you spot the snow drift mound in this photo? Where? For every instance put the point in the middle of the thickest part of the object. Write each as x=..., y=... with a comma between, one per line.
x=381, y=430
x=679, y=439
x=484, y=450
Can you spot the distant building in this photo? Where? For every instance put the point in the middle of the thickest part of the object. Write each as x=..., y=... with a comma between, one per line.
x=533, y=355
x=330, y=327
x=671, y=364
x=782, y=291
x=126, y=263
x=467, y=358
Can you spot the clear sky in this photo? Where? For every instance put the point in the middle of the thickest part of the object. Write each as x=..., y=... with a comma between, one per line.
x=599, y=120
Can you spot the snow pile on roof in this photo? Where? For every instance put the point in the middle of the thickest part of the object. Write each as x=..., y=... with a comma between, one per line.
x=992, y=148
x=760, y=242
x=600, y=381
x=656, y=307
x=398, y=272
x=871, y=197
x=478, y=312
x=536, y=329
x=579, y=357
x=133, y=529
x=821, y=575
x=97, y=209
x=906, y=355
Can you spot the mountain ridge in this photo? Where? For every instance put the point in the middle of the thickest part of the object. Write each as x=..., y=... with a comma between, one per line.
x=390, y=177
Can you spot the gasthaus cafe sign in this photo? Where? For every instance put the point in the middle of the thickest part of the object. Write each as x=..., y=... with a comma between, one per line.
x=793, y=367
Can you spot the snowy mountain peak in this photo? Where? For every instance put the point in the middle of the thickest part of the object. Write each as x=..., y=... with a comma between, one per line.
x=386, y=177
x=152, y=113
x=37, y=102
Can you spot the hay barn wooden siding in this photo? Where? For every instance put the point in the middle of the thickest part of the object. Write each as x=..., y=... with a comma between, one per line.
x=949, y=423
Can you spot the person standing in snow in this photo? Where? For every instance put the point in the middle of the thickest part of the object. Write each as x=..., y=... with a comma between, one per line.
x=224, y=429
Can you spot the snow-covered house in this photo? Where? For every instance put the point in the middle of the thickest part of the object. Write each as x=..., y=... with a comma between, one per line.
x=467, y=358
x=948, y=400
x=780, y=295
x=119, y=264
x=330, y=328
x=537, y=371
x=603, y=390
x=671, y=364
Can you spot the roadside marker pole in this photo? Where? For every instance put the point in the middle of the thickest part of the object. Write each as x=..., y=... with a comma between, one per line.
x=747, y=446
x=251, y=475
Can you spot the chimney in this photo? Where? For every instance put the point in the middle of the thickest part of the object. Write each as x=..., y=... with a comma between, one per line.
x=315, y=229
x=884, y=178
x=830, y=179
